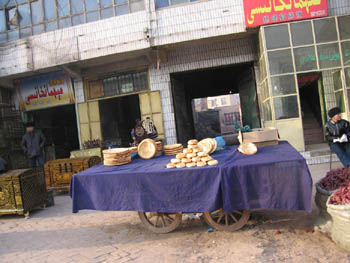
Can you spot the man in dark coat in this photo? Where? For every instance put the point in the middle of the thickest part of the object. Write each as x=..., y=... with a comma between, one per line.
x=337, y=135
x=32, y=144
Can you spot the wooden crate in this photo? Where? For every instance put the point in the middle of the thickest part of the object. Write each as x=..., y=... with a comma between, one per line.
x=58, y=173
x=21, y=191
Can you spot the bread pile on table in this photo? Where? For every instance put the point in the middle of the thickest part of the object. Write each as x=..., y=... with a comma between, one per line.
x=173, y=149
x=116, y=156
x=159, y=147
x=193, y=156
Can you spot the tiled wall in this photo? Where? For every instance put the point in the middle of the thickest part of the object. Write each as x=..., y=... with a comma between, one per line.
x=123, y=34
x=199, y=56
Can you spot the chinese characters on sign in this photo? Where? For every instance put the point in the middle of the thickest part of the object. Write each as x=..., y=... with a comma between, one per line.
x=45, y=90
x=264, y=12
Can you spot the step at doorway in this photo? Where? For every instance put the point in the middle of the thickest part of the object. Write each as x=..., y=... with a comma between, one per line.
x=311, y=102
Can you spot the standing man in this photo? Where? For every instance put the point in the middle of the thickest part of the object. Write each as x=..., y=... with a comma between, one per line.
x=337, y=135
x=32, y=144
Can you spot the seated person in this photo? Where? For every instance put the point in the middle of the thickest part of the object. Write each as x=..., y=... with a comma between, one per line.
x=337, y=135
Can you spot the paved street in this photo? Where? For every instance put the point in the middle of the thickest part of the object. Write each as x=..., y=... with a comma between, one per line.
x=57, y=235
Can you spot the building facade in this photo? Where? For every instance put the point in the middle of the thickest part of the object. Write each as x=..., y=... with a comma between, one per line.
x=144, y=58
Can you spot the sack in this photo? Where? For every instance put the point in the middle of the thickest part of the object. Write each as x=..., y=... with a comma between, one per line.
x=321, y=199
x=341, y=224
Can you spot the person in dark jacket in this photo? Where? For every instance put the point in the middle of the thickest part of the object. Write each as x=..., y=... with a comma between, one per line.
x=32, y=144
x=337, y=135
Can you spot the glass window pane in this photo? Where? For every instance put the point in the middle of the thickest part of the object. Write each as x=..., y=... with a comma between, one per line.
x=38, y=29
x=77, y=20
x=63, y=8
x=107, y=13
x=286, y=107
x=137, y=5
x=91, y=5
x=24, y=13
x=301, y=33
x=3, y=26
x=339, y=98
x=37, y=12
x=305, y=58
x=50, y=9
x=162, y=3
x=11, y=15
x=347, y=77
x=175, y=2
x=121, y=10
x=21, y=1
x=277, y=37
x=344, y=29
x=267, y=110
x=345, y=46
x=3, y=37
x=105, y=3
x=13, y=35
x=91, y=17
x=51, y=26
x=328, y=55
x=283, y=85
x=63, y=23
x=280, y=62
x=76, y=6
x=118, y=2
x=325, y=30
x=25, y=32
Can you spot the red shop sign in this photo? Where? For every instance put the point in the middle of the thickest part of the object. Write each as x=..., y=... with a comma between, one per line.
x=264, y=12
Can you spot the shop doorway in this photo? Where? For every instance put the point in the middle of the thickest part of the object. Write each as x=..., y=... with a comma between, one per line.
x=118, y=117
x=214, y=102
x=312, y=107
x=59, y=126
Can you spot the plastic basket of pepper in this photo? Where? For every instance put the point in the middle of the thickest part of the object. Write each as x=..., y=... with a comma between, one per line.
x=329, y=185
x=338, y=206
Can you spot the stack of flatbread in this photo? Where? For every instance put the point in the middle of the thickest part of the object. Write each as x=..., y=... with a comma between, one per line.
x=116, y=156
x=173, y=149
x=159, y=147
x=192, y=156
x=208, y=145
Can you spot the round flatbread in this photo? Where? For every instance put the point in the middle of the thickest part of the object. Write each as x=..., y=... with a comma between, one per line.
x=147, y=149
x=175, y=161
x=171, y=165
x=180, y=156
x=196, y=159
x=206, y=159
x=190, y=165
x=194, y=146
x=201, y=164
x=172, y=146
x=191, y=155
x=205, y=146
x=213, y=162
x=186, y=160
x=202, y=154
x=192, y=142
x=180, y=165
x=187, y=150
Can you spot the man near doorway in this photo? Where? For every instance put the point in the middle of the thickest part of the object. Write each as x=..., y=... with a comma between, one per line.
x=32, y=144
x=337, y=135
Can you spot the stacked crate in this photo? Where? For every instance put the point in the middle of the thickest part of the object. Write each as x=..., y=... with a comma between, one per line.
x=58, y=173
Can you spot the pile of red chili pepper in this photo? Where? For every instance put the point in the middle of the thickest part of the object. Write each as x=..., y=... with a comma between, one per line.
x=335, y=179
x=342, y=197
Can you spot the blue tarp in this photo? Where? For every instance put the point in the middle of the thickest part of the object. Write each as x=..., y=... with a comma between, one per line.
x=277, y=178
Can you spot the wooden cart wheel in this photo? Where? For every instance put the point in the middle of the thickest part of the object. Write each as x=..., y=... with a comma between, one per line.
x=160, y=223
x=227, y=221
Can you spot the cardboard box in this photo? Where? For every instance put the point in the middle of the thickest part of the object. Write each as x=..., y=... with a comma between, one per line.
x=261, y=137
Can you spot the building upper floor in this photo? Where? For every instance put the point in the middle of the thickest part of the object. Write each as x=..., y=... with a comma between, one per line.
x=43, y=34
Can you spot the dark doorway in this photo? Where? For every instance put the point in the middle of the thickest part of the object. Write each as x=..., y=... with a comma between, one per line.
x=59, y=125
x=188, y=87
x=310, y=102
x=118, y=117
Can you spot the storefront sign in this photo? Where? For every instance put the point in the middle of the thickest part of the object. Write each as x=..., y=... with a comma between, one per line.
x=264, y=12
x=44, y=90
